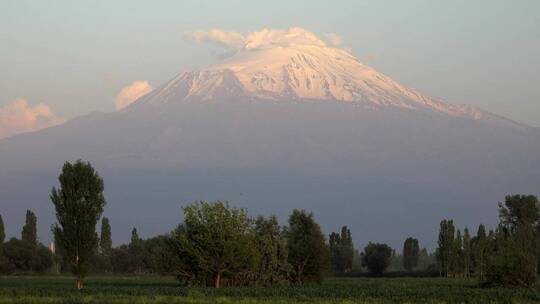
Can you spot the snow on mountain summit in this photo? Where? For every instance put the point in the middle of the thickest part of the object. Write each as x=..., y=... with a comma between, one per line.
x=292, y=65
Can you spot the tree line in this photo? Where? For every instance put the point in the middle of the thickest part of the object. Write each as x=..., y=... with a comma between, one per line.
x=508, y=255
x=219, y=245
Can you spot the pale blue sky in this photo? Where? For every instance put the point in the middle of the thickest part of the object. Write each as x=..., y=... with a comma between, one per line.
x=76, y=55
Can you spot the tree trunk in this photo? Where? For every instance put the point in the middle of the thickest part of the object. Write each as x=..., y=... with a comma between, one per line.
x=218, y=279
x=79, y=283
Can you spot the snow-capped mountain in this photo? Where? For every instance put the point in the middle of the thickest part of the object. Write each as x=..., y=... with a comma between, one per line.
x=305, y=72
x=281, y=126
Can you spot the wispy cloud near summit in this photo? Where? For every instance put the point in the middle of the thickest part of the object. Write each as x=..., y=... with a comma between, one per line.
x=262, y=39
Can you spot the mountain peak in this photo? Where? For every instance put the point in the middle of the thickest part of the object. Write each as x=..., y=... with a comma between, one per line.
x=306, y=71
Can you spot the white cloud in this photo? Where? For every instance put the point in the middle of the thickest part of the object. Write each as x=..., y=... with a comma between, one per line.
x=131, y=93
x=19, y=117
x=229, y=40
x=334, y=39
x=265, y=38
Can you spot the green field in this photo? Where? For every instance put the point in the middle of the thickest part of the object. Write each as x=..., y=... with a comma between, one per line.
x=149, y=289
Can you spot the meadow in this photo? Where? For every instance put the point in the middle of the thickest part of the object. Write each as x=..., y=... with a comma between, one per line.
x=154, y=289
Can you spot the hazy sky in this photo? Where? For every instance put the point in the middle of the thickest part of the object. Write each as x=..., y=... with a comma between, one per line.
x=75, y=57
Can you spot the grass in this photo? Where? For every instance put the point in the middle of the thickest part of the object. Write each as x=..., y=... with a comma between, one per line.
x=153, y=289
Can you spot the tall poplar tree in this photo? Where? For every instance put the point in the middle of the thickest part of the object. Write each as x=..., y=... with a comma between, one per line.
x=105, y=241
x=2, y=234
x=79, y=203
x=29, y=231
x=445, y=249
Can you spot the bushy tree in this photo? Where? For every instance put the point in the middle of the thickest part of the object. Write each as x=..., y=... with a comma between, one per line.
x=308, y=252
x=513, y=260
x=341, y=250
x=29, y=231
x=273, y=267
x=23, y=256
x=376, y=257
x=411, y=251
x=79, y=203
x=215, y=240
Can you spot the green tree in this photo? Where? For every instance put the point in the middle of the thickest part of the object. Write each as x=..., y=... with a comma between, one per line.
x=445, y=249
x=411, y=251
x=520, y=215
x=79, y=203
x=467, y=252
x=456, y=257
x=136, y=251
x=2, y=234
x=105, y=241
x=513, y=261
x=29, y=231
x=341, y=250
x=480, y=250
x=376, y=257
x=273, y=267
x=215, y=239
x=308, y=252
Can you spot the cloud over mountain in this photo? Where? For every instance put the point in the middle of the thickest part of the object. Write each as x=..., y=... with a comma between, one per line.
x=131, y=92
x=18, y=117
x=262, y=39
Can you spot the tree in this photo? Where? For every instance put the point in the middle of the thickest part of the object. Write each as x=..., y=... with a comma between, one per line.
x=467, y=252
x=2, y=230
x=513, y=260
x=308, y=252
x=105, y=241
x=79, y=203
x=445, y=249
x=520, y=215
x=136, y=251
x=376, y=257
x=507, y=264
x=29, y=231
x=456, y=257
x=214, y=240
x=341, y=250
x=23, y=256
x=480, y=245
x=273, y=267
x=411, y=251
x=2, y=234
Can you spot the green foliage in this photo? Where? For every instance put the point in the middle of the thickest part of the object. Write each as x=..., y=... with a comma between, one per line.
x=509, y=266
x=272, y=267
x=79, y=203
x=22, y=256
x=136, y=251
x=29, y=231
x=341, y=251
x=479, y=247
x=512, y=259
x=216, y=240
x=2, y=233
x=308, y=252
x=446, y=245
x=376, y=257
x=411, y=252
x=105, y=240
